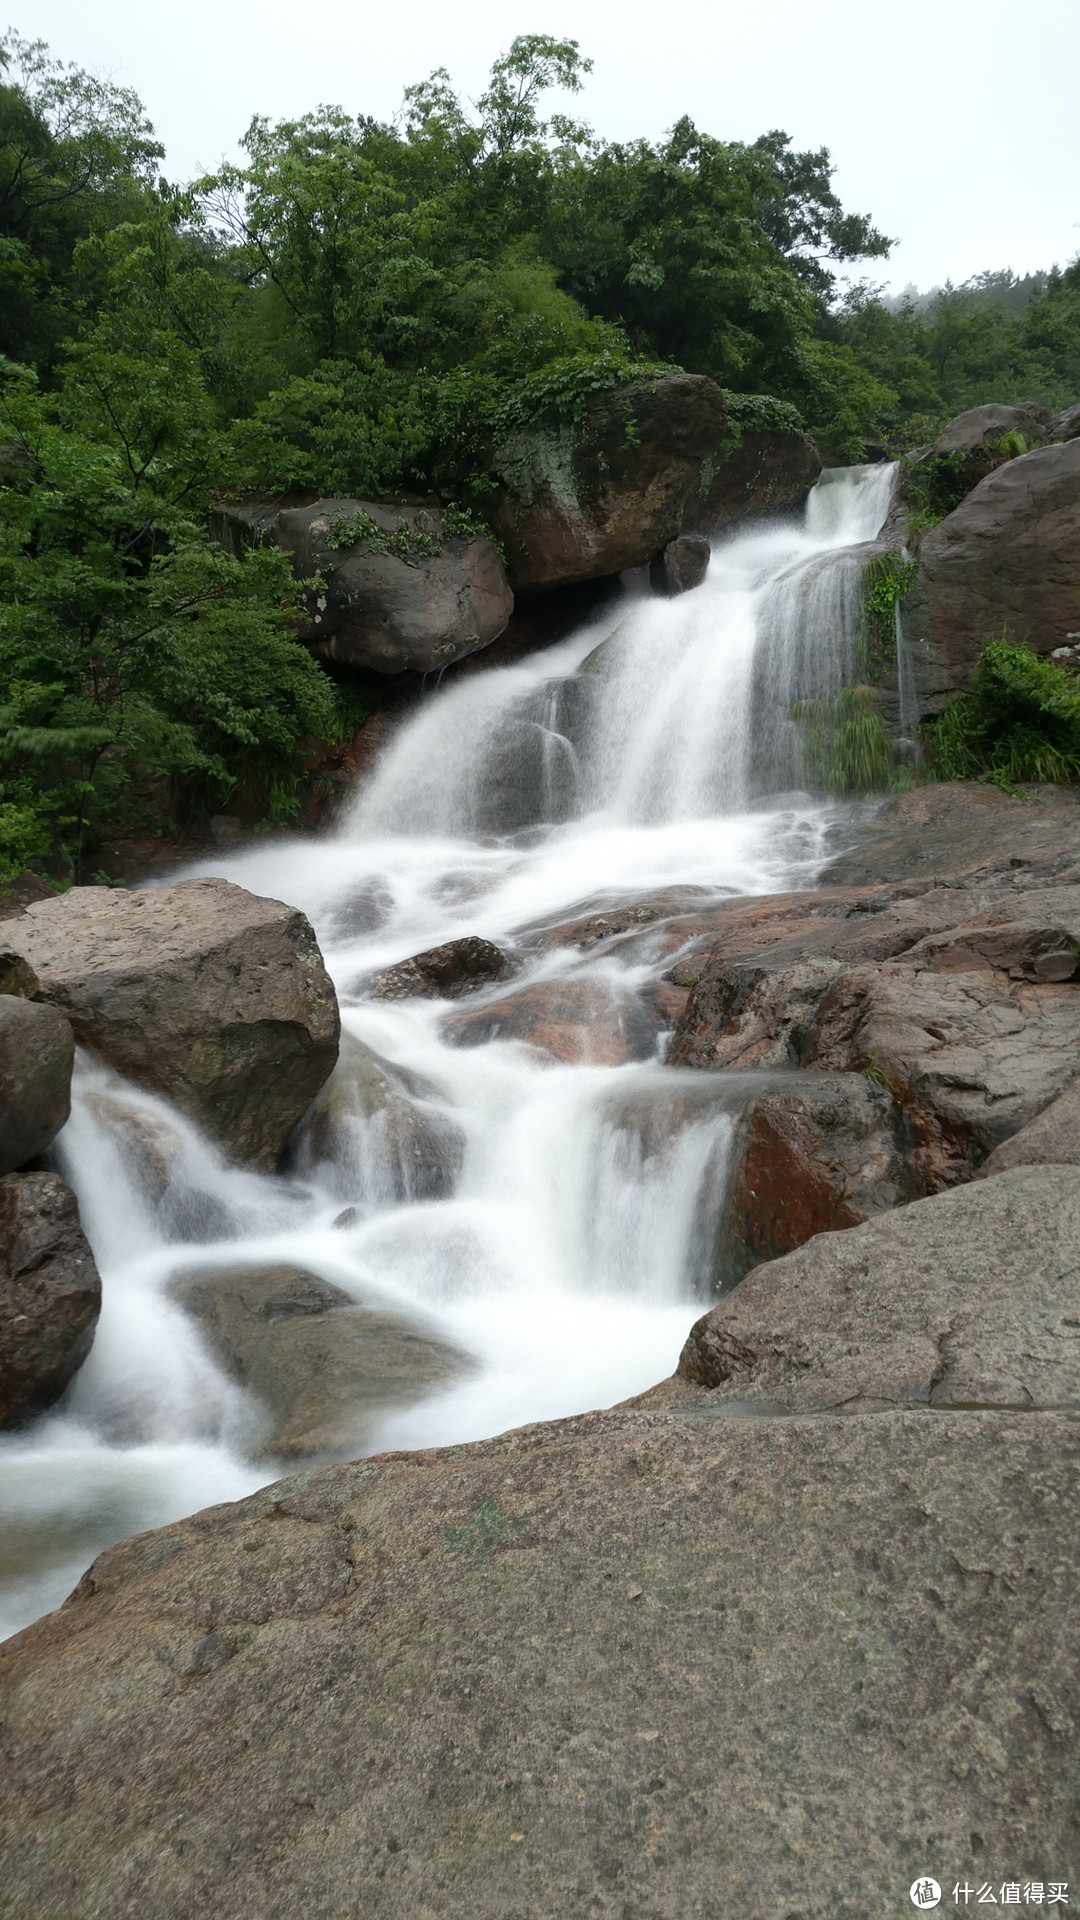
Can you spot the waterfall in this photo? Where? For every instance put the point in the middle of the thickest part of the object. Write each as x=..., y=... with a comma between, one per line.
x=557, y=1223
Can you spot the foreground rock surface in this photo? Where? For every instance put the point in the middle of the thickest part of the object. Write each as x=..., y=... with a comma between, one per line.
x=50, y=1293
x=37, y=1053
x=629, y=1663
x=969, y=1298
x=1052, y=1139
x=583, y=501
x=418, y=604
x=323, y=1367
x=201, y=992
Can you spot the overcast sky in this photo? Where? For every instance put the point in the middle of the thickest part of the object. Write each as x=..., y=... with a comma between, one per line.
x=953, y=123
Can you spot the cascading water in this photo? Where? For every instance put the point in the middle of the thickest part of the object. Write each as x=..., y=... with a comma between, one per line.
x=558, y=1224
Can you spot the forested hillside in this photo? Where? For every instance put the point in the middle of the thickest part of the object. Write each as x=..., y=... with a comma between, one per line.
x=363, y=309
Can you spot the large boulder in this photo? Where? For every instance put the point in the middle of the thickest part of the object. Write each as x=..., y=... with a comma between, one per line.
x=1006, y=560
x=50, y=1293
x=37, y=1054
x=397, y=589
x=761, y=477
x=582, y=501
x=982, y=429
x=968, y=1298
x=322, y=1367
x=1066, y=424
x=634, y=1663
x=200, y=992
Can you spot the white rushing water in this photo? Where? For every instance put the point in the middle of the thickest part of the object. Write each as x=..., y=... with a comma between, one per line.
x=569, y=1235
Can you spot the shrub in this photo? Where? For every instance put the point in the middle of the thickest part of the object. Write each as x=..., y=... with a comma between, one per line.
x=1017, y=722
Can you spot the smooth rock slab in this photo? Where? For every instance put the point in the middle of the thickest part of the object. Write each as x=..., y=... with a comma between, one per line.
x=323, y=1367
x=50, y=1292
x=37, y=1053
x=1052, y=1139
x=971, y=1297
x=662, y=1666
x=200, y=992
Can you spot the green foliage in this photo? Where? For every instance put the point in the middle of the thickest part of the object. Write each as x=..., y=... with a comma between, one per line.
x=407, y=541
x=887, y=579
x=750, y=413
x=561, y=390
x=144, y=673
x=1017, y=722
x=487, y=1528
x=846, y=745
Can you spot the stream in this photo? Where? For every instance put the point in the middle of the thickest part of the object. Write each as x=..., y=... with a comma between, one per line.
x=572, y=1242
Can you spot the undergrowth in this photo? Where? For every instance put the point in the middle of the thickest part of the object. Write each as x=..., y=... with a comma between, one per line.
x=847, y=747
x=1017, y=722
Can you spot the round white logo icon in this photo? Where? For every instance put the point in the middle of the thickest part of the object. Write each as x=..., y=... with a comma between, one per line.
x=925, y=1892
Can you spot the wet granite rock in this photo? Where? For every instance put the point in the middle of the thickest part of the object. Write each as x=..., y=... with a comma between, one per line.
x=580, y=501
x=413, y=606
x=37, y=1053
x=1008, y=557
x=580, y=1021
x=681, y=566
x=200, y=992
x=323, y=1367
x=632, y=1663
x=50, y=1293
x=766, y=475
x=967, y=1298
x=964, y=831
x=446, y=972
x=813, y=1152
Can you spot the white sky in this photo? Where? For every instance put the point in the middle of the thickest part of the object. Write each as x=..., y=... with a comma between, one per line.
x=953, y=123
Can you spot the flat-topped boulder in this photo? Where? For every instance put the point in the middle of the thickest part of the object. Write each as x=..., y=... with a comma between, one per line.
x=206, y=994
x=967, y=1298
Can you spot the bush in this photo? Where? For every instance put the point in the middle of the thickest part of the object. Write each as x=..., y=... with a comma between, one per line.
x=1017, y=722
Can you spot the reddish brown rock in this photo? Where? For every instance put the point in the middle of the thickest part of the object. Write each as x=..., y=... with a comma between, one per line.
x=37, y=1053
x=582, y=1021
x=814, y=1153
x=50, y=1293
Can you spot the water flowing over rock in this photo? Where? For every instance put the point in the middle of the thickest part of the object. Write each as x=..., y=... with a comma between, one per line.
x=968, y=1298
x=50, y=1292
x=37, y=1053
x=471, y=1682
x=395, y=591
x=376, y=1135
x=201, y=992
x=322, y=1367
x=1006, y=560
x=583, y=501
